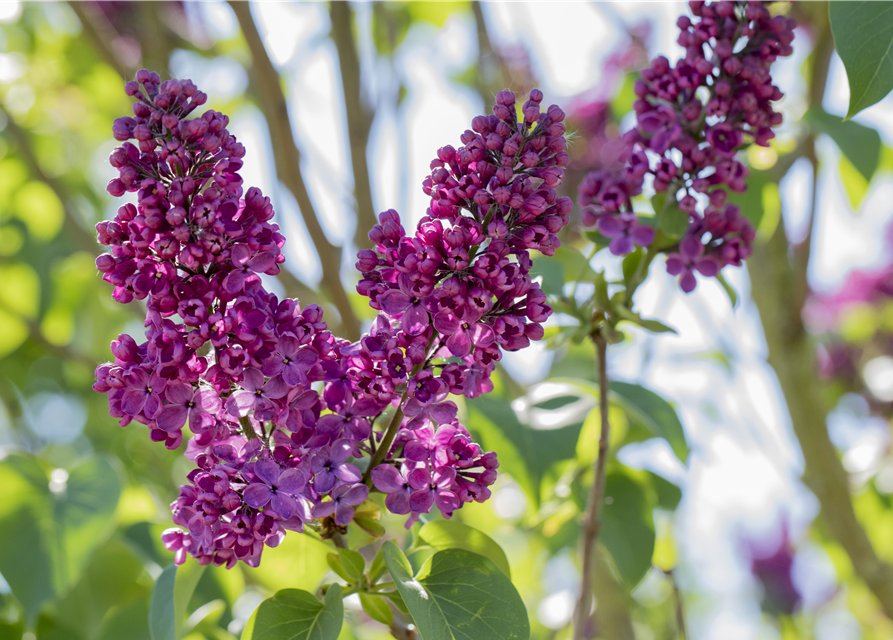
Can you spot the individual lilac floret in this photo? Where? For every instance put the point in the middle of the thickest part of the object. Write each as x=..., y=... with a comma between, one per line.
x=330, y=465
x=198, y=406
x=277, y=488
x=689, y=259
x=625, y=231
x=433, y=487
x=394, y=483
x=256, y=394
x=404, y=301
x=344, y=499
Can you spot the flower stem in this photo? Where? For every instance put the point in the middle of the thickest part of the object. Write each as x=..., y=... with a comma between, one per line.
x=247, y=429
x=385, y=444
x=592, y=523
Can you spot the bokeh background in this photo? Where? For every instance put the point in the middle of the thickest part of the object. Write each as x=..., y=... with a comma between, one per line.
x=373, y=89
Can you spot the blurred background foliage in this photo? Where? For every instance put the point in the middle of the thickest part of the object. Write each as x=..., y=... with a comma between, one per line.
x=85, y=501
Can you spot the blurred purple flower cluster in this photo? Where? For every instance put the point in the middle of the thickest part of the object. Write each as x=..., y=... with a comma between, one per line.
x=280, y=409
x=692, y=117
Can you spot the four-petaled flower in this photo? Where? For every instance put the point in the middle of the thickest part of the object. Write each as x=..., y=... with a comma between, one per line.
x=277, y=488
x=344, y=499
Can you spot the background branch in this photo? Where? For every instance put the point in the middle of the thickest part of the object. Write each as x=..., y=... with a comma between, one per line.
x=359, y=119
x=779, y=290
x=288, y=166
x=594, y=510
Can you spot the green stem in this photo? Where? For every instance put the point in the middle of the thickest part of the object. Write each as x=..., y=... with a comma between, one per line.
x=247, y=429
x=385, y=444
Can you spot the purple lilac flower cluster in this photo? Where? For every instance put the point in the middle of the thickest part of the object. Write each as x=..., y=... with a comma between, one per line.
x=691, y=120
x=280, y=409
x=457, y=292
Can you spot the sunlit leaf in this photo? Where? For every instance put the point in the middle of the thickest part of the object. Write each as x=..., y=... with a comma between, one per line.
x=464, y=595
x=860, y=144
x=293, y=614
x=627, y=527
x=863, y=35
x=170, y=597
x=653, y=412
x=449, y=534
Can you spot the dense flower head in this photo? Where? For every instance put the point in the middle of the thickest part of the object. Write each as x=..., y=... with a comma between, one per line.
x=280, y=411
x=691, y=119
x=460, y=286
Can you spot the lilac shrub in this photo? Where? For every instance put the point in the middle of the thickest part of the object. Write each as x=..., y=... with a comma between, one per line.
x=281, y=413
x=691, y=119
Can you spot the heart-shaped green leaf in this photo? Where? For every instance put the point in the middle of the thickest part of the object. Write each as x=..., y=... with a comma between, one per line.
x=293, y=614
x=463, y=596
x=863, y=35
x=449, y=534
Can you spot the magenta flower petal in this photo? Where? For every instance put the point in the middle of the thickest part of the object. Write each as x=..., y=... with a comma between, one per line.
x=257, y=495
x=387, y=479
x=398, y=502
x=240, y=403
x=172, y=417
x=268, y=471
x=421, y=501
x=459, y=344
x=415, y=320
x=324, y=509
x=348, y=473
x=688, y=282
x=275, y=388
x=445, y=411
x=179, y=393
x=393, y=301
x=283, y=504
x=357, y=494
x=291, y=481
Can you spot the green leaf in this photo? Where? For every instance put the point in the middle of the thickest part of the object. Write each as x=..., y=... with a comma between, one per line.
x=47, y=537
x=464, y=596
x=653, y=412
x=860, y=144
x=552, y=272
x=627, y=529
x=376, y=607
x=652, y=325
x=449, y=534
x=673, y=220
x=576, y=266
x=863, y=35
x=337, y=566
x=170, y=597
x=293, y=614
x=630, y=263
x=733, y=296
x=668, y=494
x=353, y=562
x=528, y=453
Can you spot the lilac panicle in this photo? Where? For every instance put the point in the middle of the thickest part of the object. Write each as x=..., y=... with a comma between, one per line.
x=691, y=119
x=278, y=408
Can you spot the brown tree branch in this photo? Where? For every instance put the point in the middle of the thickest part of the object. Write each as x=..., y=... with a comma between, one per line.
x=779, y=291
x=359, y=119
x=288, y=165
x=100, y=33
x=592, y=524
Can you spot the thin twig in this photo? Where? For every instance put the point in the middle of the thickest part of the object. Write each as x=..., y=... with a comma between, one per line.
x=680, y=609
x=288, y=165
x=359, y=118
x=596, y=497
x=385, y=446
x=101, y=34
